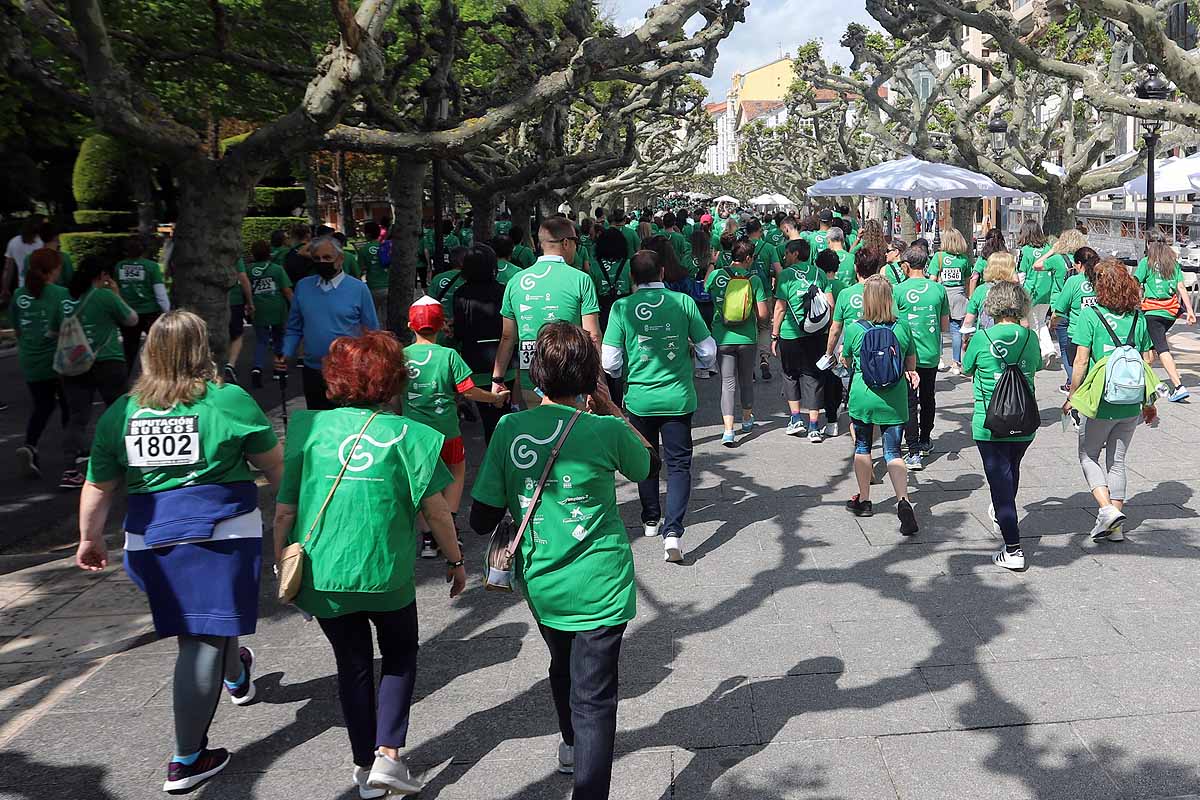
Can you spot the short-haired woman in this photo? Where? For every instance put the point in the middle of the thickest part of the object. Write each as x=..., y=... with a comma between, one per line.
x=179, y=441
x=1001, y=266
x=988, y=353
x=737, y=342
x=578, y=577
x=1115, y=320
x=360, y=541
x=951, y=267
x=1166, y=298
x=885, y=407
x=37, y=313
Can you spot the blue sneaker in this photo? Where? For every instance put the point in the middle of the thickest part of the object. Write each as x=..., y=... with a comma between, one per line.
x=727, y=439
x=1179, y=395
x=748, y=424
x=795, y=428
x=913, y=462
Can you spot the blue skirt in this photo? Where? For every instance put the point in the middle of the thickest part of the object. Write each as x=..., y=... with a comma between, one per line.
x=200, y=588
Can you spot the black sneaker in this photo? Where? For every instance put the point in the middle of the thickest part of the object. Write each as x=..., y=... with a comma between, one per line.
x=181, y=777
x=925, y=448
x=860, y=508
x=71, y=479
x=244, y=694
x=256, y=378
x=428, y=548
x=230, y=374
x=908, y=519
x=765, y=368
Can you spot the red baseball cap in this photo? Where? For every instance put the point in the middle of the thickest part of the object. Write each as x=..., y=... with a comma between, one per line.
x=426, y=315
x=706, y=219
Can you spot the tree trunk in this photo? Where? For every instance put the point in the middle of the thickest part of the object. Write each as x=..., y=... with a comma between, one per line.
x=1060, y=212
x=483, y=217
x=311, y=199
x=407, y=189
x=522, y=213
x=142, y=177
x=908, y=218
x=962, y=216
x=345, y=200
x=208, y=243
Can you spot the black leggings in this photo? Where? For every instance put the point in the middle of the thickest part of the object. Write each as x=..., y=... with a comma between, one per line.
x=47, y=395
x=131, y=337
x=920, y=423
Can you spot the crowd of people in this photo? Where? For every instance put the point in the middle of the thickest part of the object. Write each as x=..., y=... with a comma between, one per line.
x=605, y=330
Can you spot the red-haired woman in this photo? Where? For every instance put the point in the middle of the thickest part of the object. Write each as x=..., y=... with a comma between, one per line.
x=355, y=478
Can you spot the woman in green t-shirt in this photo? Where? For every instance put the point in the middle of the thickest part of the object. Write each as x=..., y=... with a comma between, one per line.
x=574, y=564
x=360, y=541
x=885, y=407
x=1001, y=266
x=1165, y=298
x=37, y=313
x=1076, y=295
x=988, y=354
x=272, y=290
x=95, y=298
x=1040, y=272
x=951, y=267
x=1058, y=263
x=993, y=242
x=1115, y=320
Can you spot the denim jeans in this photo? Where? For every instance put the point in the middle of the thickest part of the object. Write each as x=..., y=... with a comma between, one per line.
x=864, y=439
x=350, y=636
x=1064, y=346
x=583, y=680
x=1002, y=466
x=956, y=340
x=675, y=436
x=268, y=342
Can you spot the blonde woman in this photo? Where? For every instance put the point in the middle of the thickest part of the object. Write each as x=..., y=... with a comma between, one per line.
x=1001, y=266
x=1165, y=298
x=179, y=441
x=951, y=267
x=1062, y=250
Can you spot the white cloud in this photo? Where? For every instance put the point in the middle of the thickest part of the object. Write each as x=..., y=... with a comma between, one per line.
x=772, y=27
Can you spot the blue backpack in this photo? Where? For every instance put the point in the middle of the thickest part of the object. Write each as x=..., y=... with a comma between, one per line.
x=880, y=361
x=1124, y=372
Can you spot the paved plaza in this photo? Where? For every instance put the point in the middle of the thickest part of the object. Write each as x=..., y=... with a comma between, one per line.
x=798, y=653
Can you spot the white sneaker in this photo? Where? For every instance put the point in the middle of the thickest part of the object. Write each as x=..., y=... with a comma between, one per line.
x=1009, y=560
x=392, y=775
x=1117, y=534
x=1107, y=519
x=672, y=552
x=566, y=758
x=428, y=548
x=955, y=370
x=651, y=528
x=815, y=436
x=795, y=428
x=831, y=430
x=942, y=365
x=365, y=790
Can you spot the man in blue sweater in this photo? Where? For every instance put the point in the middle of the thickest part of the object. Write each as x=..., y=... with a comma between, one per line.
x=324, y=306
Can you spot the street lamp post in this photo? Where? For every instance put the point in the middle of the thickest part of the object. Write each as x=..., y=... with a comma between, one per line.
x=1151, y=87
x=998, y=130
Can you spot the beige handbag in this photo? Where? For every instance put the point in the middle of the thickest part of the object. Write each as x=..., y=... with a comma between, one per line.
x=291, y=561
x=505, y=540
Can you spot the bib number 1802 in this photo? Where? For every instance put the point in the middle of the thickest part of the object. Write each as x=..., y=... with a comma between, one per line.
x=163, y=442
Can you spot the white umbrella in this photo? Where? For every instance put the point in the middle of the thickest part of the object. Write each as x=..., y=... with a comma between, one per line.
x=782, y=200
x=1171, y=176
x=725, y=199
x=762, y=200
x=912, y=177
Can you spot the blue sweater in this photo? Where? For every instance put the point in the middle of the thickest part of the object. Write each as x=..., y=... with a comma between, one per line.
x=318, y=316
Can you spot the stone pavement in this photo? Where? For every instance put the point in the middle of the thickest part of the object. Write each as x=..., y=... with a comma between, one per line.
x=798, y=653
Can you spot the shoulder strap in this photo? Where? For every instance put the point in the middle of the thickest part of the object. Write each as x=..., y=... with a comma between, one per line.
x=336, y=481
x=541, y=484
x=1133, y=327
x=1109, y=328
x=449, y=285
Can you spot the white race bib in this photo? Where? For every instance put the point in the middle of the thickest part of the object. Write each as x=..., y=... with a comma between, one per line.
x=1087, y=302
x=153, y=442
x=952, y=274
x=525, y=354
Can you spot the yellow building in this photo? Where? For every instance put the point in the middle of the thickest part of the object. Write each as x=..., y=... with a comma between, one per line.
x=768, y=82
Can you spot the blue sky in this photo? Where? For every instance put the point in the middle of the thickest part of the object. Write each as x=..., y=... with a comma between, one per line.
x=771, y=26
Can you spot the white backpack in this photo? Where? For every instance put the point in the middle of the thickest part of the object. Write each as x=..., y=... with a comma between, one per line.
x=73, y=355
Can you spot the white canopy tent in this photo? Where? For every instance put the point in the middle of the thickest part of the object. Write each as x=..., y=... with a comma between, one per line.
x=725, y=199
x=1171, y=176
x=913, y=178
x=762, y=200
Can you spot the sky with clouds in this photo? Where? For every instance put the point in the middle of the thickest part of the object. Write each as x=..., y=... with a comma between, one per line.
x=772, y=27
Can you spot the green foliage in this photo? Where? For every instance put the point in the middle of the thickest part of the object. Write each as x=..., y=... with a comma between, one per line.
x=254, y=228
x=233, y=141
x=278, y=199
x=87, y=247
x=99, y=177
x=105, y=220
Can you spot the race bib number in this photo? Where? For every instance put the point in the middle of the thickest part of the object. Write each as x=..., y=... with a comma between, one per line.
x=163, y=442
x=952, y=274
x=1087, y=302
x=131, y=272
x=525, y=357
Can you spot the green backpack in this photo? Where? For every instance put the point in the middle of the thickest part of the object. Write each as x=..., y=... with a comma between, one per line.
x=738, y=305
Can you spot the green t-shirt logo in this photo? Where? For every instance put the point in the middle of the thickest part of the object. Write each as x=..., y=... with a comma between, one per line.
x=911, y=295
x=1001, y=347
x=525, y=457
x=721, y=280
x=644, y=311
x=414, y=366
x=527, y=279
x=360, y=458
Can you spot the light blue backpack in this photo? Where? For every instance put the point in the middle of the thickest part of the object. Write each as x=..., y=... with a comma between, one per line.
x=1124, y=374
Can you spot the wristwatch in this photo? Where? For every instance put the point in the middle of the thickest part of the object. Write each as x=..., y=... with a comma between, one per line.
x=455, y=564
x=499, y=380
x=774, y=337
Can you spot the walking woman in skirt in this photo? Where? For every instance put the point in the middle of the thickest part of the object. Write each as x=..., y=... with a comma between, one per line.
x=180, y=441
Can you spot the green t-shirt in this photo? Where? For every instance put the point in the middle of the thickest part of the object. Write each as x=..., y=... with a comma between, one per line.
x=742, y=332
x=845, y=271
x=550, y=290
x=617, y=275
x=772, y=234
x=203, y=442
x=360, y=556
x=523, y=256
x=350, y=264
x=267, y=282
x=819, y=241
x=236, y=297
x=137, y=277
x=102, y=316
x=632, y=243
x=683, y=250
x=894, y=273
x=278, y=254
x=443, y=287
x=948, y=269
x=64, y=275
x=368, y=259
x=794, y=283
x=653, y=327
x=505, y=271
x=922, y=303
x=36, y=321
x=975, y=304
x=574, y=566
x=1156, y=287
x=984, y=360
x=1077, y=294
x=1041, y=284
x=1091, y=333
x=764, y=261
x=980, y=266
x=502, y=227
x=436, y=374
x=876, y=406
x=848, y=306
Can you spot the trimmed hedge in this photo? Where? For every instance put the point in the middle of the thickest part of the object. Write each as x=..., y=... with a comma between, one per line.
x=278, y=199
x=86, y=247
x=261, y=228
x=106, y=220
x=98, y=180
